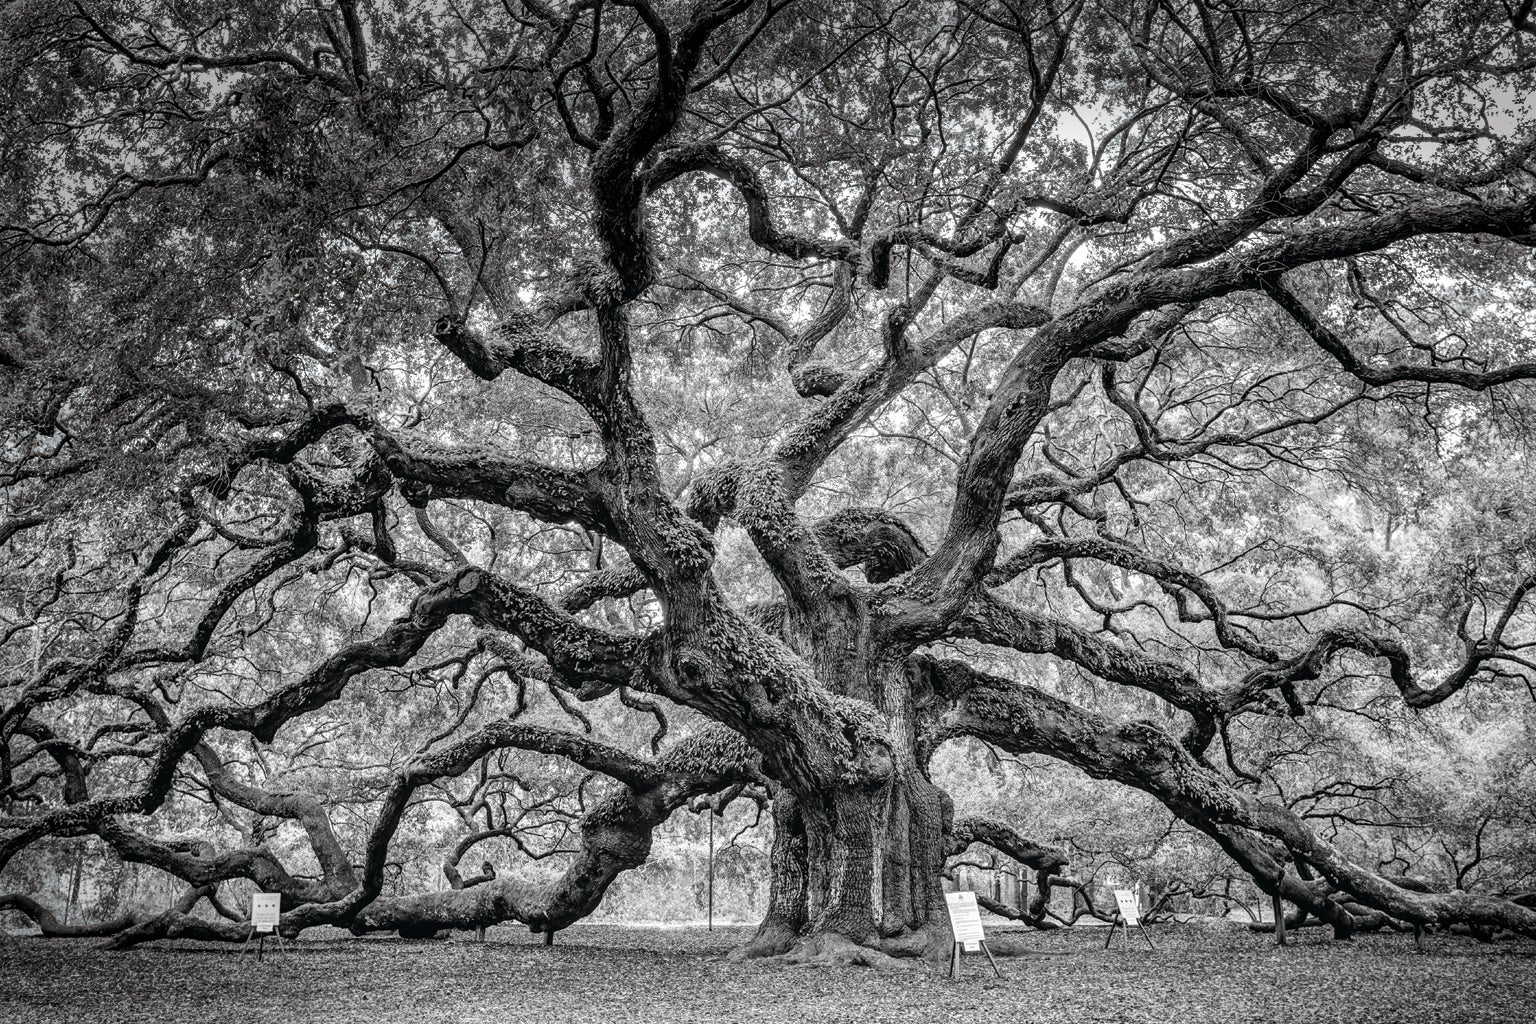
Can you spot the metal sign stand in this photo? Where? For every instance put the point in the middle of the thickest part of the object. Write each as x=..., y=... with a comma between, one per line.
x=955, y=953
x=266, y=909
x=710, y=926
x=261, y=942
x=965, y=927
x=1126, y=915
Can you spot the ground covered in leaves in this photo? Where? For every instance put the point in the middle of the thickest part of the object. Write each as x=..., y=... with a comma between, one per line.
x=609, y=974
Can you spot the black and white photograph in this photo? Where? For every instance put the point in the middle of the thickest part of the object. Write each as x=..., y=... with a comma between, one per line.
x=746, y=511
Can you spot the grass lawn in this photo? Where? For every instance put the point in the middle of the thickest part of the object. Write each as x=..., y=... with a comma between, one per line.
x=608, y=974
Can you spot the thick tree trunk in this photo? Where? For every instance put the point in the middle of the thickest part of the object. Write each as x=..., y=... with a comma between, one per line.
x=857, y=869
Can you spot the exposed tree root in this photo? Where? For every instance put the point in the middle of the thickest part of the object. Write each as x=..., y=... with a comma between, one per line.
x=930, y=942
x=1008, y=945
x=828, y=949
x=777, y=940
x=773, y=938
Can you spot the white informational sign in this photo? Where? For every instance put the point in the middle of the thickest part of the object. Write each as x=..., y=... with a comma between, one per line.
x=1128, y=908
x=266, y=908
x=964, y=919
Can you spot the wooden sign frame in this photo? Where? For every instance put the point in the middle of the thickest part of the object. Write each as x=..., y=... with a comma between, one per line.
x=965, y=930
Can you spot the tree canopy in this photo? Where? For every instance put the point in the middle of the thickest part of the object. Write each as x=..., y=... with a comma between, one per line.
x=746, y=399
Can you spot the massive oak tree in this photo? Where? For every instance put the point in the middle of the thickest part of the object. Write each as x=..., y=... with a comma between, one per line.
x=835, y=379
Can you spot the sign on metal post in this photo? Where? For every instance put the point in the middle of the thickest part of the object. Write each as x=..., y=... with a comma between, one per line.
x=1129, y=913
x=965, y=926
x=266, y=910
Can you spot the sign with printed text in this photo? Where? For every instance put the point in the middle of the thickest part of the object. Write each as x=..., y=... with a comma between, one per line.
x=266, y=908
x=964, y=919
x=1128, y=908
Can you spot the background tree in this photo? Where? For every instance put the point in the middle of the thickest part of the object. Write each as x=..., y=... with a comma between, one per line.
x=1144, y=385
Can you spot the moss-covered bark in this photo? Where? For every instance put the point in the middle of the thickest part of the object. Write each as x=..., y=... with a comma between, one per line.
x=858, y=864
